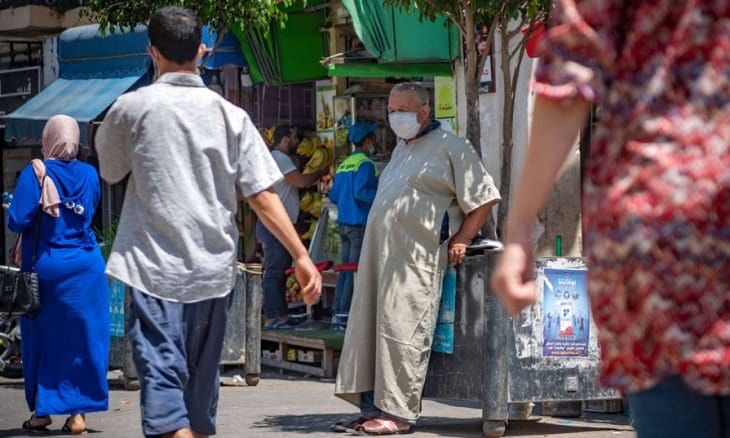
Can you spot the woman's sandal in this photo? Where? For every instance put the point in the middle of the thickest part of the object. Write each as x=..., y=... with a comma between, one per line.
x=71, y=430
x=28, y=425
x=341, y=427
x=384, y=426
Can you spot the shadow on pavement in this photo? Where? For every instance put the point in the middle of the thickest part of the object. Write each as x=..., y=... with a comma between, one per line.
x=441, y=426
x=57, y=432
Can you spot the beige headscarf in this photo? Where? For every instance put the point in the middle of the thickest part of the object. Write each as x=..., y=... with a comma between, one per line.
x=60, y=142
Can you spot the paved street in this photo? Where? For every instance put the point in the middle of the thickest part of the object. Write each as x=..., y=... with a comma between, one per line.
x=289, y=406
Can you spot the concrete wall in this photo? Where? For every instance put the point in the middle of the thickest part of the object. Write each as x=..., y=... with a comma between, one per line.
x=562, y=213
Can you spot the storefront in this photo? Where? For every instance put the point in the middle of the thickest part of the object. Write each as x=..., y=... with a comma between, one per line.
x=93, y=71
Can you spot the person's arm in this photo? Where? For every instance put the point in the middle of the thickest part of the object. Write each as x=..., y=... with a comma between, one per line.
x=22, y=211
x=555, y=128
x=271, y=213
x=366, y=183
x=473, y=222
x=302, y=181
x=112, y=146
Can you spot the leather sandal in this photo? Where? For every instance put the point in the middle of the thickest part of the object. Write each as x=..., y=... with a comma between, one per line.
x=342, y=427
x=384, y=426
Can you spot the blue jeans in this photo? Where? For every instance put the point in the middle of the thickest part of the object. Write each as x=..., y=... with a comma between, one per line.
x=276, y=261
x=351, y=244
x=670, y=409
x=176, y=349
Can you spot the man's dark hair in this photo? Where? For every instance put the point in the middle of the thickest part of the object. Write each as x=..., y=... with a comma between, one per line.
x=176, y=32
x=280, y=132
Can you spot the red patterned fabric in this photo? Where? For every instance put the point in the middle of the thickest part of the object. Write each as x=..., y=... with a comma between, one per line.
x=657, y=192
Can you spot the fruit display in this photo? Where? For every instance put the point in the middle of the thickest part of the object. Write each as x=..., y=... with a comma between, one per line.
x=268, y=135
x=309, y=145
x=341, y=137
x=293, y=291
x=321, y=157
x=311, y=203
x=310, y=232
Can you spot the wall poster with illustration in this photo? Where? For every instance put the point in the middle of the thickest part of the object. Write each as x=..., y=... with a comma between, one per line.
x=566, y=312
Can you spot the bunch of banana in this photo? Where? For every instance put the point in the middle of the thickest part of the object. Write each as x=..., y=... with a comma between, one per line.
x=306, y=147
x=310, y=232
x=306, y=203
x=293, y=291
x=268, y=135
x=321, y=157
x=315, y=207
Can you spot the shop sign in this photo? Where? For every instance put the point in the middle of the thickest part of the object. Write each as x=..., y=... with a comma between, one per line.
x=445, y=96
x=566, y=313
x=17, y=86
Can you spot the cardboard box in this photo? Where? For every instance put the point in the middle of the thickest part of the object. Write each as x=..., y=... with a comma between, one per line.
x=309, y=356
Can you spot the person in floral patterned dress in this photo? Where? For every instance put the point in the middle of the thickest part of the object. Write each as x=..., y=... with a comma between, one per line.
x=656, y=198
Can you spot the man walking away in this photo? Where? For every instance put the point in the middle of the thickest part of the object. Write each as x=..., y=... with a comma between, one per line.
x=185, y=150
x=353, y=191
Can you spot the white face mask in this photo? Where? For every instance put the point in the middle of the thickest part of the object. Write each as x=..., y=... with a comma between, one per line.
x=405, y=125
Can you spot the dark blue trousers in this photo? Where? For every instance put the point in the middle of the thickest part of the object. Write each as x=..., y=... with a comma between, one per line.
x=276, y=261
x=176, y=349
x=672, y=410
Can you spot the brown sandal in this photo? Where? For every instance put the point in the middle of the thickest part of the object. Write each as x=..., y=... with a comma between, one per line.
x=341, y=427
x=384, y=426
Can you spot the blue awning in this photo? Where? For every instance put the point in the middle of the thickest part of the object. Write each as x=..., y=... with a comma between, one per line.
x=228, y=52
x=94, y=71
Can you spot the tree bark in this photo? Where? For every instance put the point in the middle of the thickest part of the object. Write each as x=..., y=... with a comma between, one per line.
x=507, y=125
x=471, y=79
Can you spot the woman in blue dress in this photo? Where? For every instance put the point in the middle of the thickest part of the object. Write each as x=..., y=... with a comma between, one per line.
x=66, y=345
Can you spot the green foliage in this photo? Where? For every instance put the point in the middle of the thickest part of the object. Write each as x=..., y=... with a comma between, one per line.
x=106, y=238
x=220, y=14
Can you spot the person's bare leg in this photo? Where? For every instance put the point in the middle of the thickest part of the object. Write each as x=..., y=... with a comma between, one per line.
x=76, y=423
x=182, y=433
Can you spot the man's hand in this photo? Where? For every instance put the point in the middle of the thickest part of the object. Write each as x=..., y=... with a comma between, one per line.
x=457, y=250
x=512, y=279
x=309, y=279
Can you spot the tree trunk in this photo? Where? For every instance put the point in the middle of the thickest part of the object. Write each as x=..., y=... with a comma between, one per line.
x=471, y=83
x=507, y=127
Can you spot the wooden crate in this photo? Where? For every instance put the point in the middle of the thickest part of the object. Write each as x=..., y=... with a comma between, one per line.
x=304, y=340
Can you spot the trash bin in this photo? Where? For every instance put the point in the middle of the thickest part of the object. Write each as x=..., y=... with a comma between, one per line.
x=499, y=360
x=242, y=339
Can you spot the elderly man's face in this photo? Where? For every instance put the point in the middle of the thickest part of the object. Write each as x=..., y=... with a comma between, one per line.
x=404, y=102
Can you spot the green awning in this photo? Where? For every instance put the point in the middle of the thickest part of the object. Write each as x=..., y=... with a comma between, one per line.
x=287, y=55
x=400, y=70
x=394, y=35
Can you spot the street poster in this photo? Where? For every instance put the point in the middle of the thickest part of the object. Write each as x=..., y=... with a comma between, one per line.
x=566, y=313
x=325, y=99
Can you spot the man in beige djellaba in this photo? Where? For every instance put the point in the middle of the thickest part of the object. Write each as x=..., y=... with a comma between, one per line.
x=398, y=288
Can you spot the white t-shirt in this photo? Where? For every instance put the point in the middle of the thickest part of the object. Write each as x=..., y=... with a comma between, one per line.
x=288, y=193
